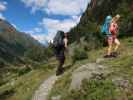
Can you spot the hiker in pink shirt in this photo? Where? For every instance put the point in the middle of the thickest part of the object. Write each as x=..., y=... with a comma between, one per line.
x=114, y=31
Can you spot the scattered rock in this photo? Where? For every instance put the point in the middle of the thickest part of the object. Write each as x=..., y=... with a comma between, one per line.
x=56, y=97
x=99, y=60
x=88, y=71
x=12, y=82
x=123, y=83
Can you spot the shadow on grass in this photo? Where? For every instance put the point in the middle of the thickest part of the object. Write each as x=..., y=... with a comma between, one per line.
x=6, y=94
x=67, y=67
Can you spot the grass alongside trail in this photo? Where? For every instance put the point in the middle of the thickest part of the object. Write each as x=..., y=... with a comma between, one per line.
x=23, y=87
x=61, y=86
x=105, y=89
x=93, y=90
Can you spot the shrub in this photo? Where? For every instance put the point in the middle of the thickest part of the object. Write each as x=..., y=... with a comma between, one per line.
x=94, y=90
x=79, y=54
x=24, y=70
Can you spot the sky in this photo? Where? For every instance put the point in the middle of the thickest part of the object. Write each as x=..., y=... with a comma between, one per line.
x=42, y=18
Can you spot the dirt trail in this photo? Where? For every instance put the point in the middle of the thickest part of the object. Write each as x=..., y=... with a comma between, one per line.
x=44, y=89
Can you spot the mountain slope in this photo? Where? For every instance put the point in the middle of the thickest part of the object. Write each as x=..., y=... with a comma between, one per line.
x=97, y=78
x=13, y=44
x=23, y=63
x=94, y=15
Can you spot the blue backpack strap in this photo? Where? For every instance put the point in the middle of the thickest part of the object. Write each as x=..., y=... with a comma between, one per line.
x=105, y=26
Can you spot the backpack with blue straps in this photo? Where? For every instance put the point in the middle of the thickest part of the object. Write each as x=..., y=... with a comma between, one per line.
x=106, y=25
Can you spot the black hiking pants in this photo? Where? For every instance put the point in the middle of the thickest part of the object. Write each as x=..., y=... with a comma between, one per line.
x=59, y=52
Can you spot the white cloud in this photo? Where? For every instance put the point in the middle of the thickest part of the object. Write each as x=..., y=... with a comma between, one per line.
x=43, y=38
x=3, y=6
x=66, y=7
x=52, y=25
x=63, y=7
x=40, y=37
x=63, y=25
x=36, y=34
x=58, y=7
x=35, y=4
x=71, y=8
x=37, y=29
x=34, y=30
x=14, y=25
x=2, y=17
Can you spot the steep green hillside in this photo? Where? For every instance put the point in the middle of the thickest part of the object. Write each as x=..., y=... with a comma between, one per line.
x=93, y=18
x=97, y=78
x=13, y=44
x=22, y=59
x=93, y=77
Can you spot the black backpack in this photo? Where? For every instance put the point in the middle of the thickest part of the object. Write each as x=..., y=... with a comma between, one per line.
x=58, y=39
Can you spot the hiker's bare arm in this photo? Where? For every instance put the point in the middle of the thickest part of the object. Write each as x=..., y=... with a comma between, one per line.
x=65, y=42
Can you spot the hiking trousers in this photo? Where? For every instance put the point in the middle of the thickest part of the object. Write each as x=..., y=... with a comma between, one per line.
x=60, y=55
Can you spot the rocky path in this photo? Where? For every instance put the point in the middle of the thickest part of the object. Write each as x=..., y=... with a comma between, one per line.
x=42, y=92
x=44, y=89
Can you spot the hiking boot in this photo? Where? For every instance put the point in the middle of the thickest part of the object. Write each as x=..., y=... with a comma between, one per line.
x=114, y=54
x=59, y=71
x=108, y=56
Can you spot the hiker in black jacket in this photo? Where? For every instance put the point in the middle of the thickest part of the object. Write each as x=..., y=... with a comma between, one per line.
x=60, y=48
